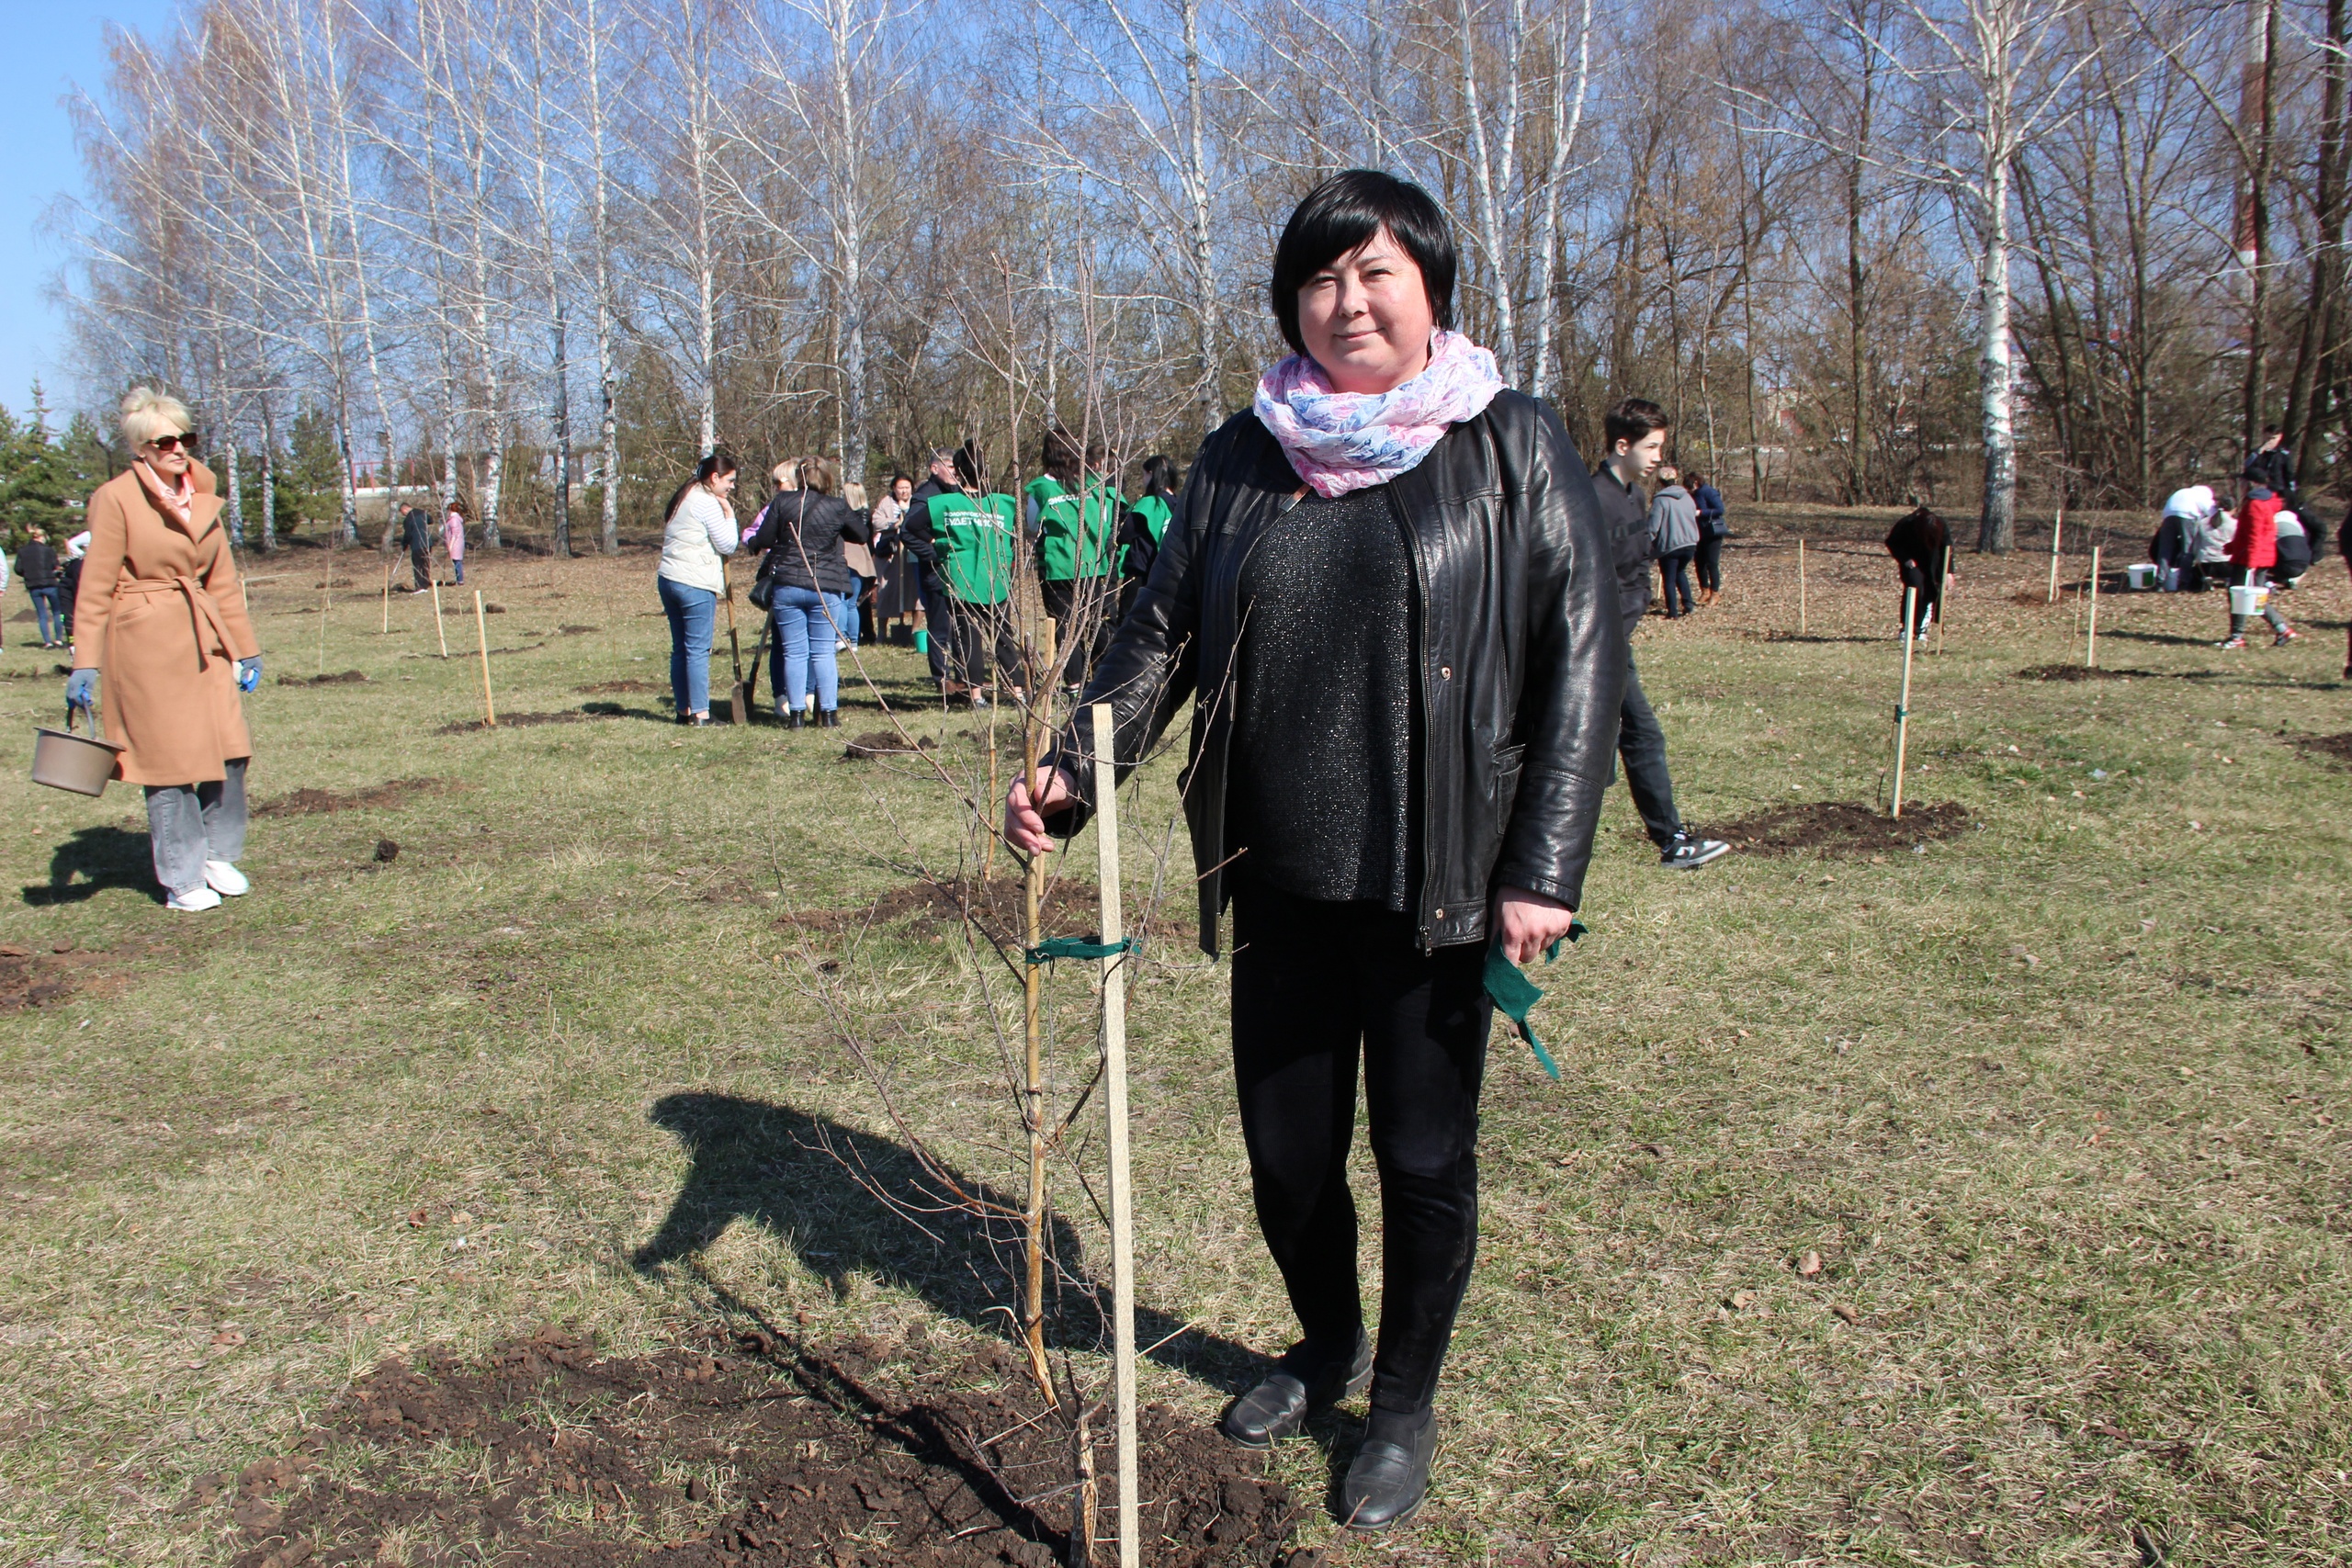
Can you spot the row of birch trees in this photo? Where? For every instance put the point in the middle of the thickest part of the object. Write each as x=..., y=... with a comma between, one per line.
x=547, y=253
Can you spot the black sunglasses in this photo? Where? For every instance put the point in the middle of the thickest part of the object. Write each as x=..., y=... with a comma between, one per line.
x=185, y=443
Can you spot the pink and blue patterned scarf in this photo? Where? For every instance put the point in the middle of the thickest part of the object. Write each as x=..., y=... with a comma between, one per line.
x=1339, y=442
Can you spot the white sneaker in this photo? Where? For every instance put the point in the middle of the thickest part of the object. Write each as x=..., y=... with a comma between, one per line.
x=193, y=901
x=226, y=879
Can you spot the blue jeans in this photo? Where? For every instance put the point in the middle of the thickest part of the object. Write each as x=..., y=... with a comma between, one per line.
x=691, y=610
x=457, y=565
x=845, y=609
x=805, y=633
x=48, y=612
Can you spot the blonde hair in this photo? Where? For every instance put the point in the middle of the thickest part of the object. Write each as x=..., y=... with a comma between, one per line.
x=147, y=413
x=821, y=475
x=855, y=493
x=787, y=475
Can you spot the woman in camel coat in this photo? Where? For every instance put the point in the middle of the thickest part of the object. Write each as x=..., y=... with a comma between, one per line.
x=159, y=612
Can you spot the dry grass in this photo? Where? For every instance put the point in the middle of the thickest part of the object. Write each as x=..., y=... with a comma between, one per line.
x=2059, y=1102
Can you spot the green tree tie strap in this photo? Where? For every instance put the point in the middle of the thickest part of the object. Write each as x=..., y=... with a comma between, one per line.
x=1055, y=947
x=1516, y=995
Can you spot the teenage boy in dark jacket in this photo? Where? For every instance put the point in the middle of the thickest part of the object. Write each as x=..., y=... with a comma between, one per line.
x=1635, y=437
x=37, y=564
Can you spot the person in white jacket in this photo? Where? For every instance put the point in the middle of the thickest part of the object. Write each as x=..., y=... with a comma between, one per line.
x=700, y=532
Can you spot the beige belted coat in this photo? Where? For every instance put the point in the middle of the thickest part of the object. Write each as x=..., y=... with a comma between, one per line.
x=160, y=617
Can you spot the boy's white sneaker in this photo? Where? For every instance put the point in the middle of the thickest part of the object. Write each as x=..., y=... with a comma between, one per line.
x=193, y=901
x=226, y=879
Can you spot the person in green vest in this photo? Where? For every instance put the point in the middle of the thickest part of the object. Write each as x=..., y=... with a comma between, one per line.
x=1073, y=514
x=1143, y=527
x=972, y=535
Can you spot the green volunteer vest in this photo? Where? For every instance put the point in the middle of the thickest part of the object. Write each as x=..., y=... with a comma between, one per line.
x=1076, y=541
x=1155, y=515
x=973, y=537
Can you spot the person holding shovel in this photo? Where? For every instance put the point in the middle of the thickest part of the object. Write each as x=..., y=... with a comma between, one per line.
x=160, y=615
x=1388, y=591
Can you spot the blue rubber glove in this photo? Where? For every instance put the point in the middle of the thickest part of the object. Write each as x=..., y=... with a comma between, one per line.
x=249, y=673
x=82, y=689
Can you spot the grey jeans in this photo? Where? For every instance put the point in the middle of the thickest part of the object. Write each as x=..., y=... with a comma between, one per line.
x=189, y=824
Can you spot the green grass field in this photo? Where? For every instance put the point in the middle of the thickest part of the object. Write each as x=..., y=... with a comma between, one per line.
x=1985, y=1202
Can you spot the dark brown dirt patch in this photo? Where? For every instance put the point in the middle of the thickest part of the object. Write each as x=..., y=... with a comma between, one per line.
x=996, y=908
x=1841, y=828
x=882, y=744
x=2073, y=672
x=614, y=688
x=348, y=678
x=525, y=720
x=27, y=981
x=575, y=631
x=397, y=792
x=2338, y=748
x=725, y=1452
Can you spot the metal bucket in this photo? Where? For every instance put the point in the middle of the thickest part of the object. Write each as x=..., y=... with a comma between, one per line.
x=82, y=763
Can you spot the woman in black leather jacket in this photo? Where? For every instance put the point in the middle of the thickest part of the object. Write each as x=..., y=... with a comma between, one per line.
x=1397, y=612
x=803, y=531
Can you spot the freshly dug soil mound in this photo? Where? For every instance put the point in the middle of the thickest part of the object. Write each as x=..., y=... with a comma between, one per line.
x=2073, y=672
x=30, y=982
x=881, y=744
x=311, y=801
x=1841, y=828
x=348, y=678
x=725, y=1452
x=525, y=720
x=570, y=631
x=2336, y=747
x=617, y=688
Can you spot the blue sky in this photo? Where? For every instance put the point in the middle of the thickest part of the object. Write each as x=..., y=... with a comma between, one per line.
x=57, y=46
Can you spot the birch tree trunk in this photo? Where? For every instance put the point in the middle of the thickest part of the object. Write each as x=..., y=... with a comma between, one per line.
x=1996, y=526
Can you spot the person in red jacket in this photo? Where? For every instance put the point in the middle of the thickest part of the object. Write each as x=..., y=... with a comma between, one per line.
x=2253, y=551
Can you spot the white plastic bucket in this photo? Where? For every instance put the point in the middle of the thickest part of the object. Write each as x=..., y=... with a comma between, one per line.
x=2249, y=600
x=2140, y=576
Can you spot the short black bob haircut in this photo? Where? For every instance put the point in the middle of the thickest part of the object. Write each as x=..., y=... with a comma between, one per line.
x=1342, y=213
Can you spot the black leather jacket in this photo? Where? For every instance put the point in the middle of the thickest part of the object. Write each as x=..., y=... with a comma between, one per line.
x=1521, y=650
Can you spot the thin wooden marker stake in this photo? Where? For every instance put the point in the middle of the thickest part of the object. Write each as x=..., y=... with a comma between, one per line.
x=2090, y=648
x=1943, y=598
x=327, y=578
x=1903, y=704
x=1114, y=1074
x=2057, y=532
x=482, y=630
x=388, y=593
x=1800, y=588
x=1032, y=1090
x=433, y=576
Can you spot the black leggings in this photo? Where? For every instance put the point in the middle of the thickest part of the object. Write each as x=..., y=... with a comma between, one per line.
x=1674, y=567
x=1315, y=987
x=1711, y=564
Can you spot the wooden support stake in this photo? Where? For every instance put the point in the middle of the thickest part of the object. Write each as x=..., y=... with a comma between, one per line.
x=1903, y=704
x=325, y=580
x=2090, y=648
x=1943, y=598
x=481, y=631
x=2057, y=532
x=1115, y=1075
x=1800, y=588
x=388, y=593
x=439, y=630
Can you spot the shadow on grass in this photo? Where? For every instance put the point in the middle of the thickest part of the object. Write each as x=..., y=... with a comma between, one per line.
x=851, y=1203
x=100, y=858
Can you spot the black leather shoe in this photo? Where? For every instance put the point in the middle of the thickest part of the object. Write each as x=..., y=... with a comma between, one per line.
x=1388, y=1479
x=1279, y=1406
x=828, y=718
x=795, y=719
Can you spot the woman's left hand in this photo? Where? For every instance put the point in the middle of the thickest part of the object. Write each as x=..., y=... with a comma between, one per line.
x=1529, y=922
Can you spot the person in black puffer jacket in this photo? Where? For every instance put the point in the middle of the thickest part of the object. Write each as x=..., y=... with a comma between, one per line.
x=803, y=531
x=1387, y=596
